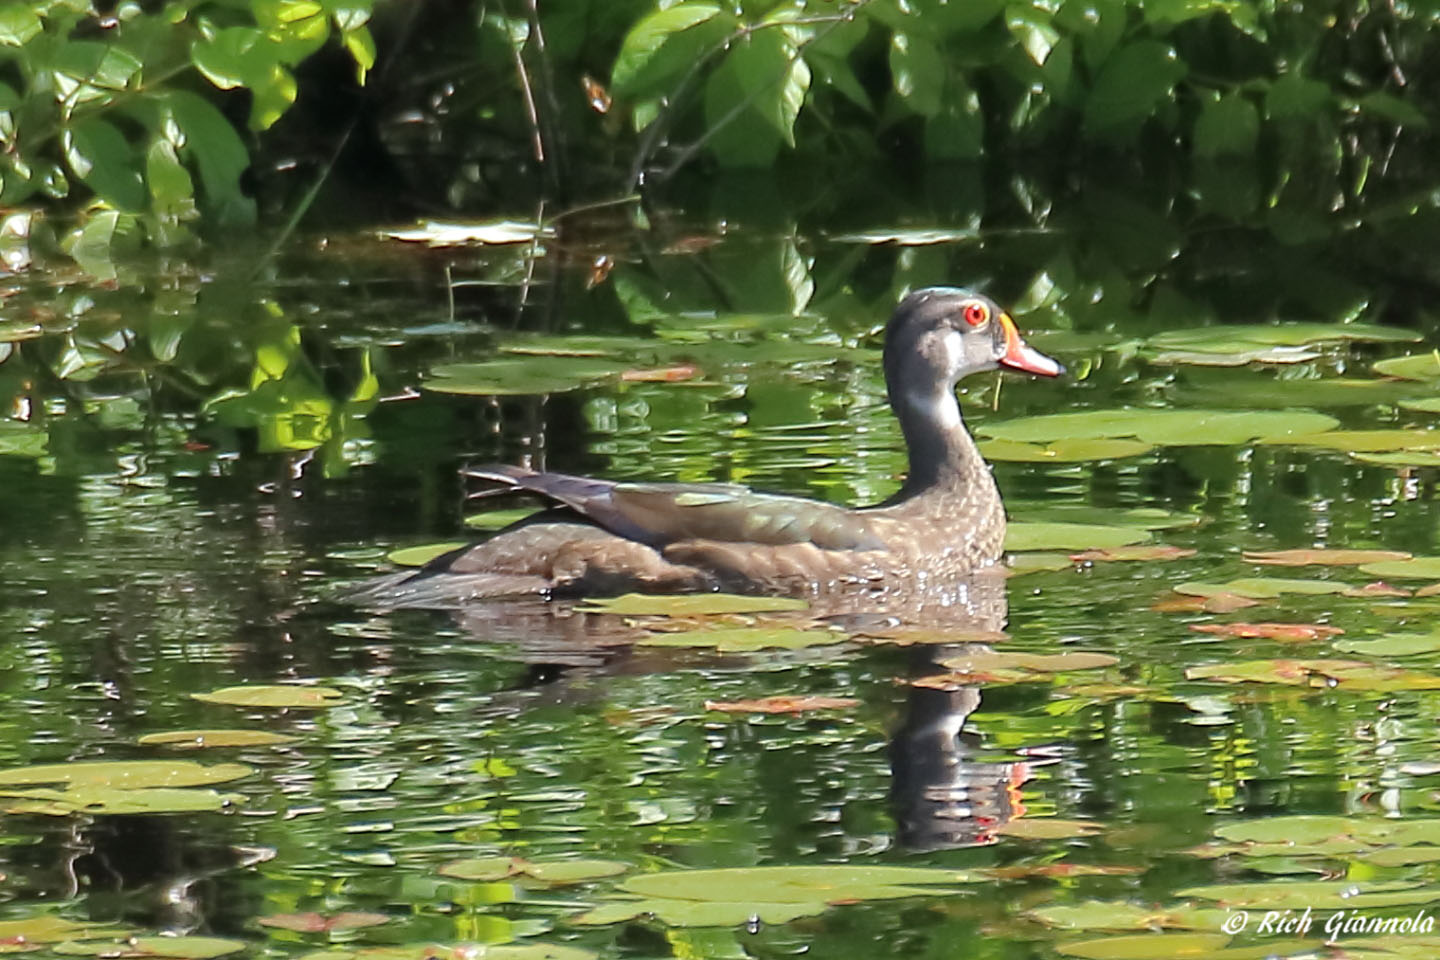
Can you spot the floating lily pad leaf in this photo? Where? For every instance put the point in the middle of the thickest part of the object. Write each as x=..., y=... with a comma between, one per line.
x=1023, y=563
x=675, y=373
x=274, y=695
x=1161, y=427
x=1256, y=354
x=1138, y=552
x=582, y=345
x=1049, y=828
x=1416, y=568
x=126, y=774
x=521, y=376
x=1070, y=536
x=199, y=739
x=1367, y=441
x=1402, y=856
x=1394, y=645
x=320, y=923
x=1300, y=830
x=108, y=800
x=1422, y=366
x=1033, y=662
x=1226, y=338
x=1099, y=915
x=1062, y=451
x=782, y=704
x=1146, y=518
x=1156, y=946
x=956, y=679
x=491, y=869
x=497, y=519
x=745, y=639
x=1321, y=557
x=690, y=605
x=420, y=555
x=1405, y=458
x=438, y=233
x=179, y=948
x=1220, y=602
x=1351, y=673
x=1200, y=386
x=1427, y=405
x=1268, y=631
x=1316, y=894
x=1263, y=588
x=908, y=636
x=1022, y=871
x=459, y=951
x=798, y=884
x=697, y=913
x=48, y=928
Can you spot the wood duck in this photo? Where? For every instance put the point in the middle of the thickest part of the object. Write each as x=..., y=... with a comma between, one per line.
x=945, y=522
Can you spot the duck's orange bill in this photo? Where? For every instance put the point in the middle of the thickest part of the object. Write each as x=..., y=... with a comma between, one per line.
x=1021, y=356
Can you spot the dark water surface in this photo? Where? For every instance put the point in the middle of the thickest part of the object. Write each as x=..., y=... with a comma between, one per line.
x=193, y=461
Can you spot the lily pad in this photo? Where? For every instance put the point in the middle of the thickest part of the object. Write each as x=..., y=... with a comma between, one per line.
x=275, y=695
x=1049, y=828
x=697, y=913
x=1421, y=366
x=1154, y=946
x=1070, y=536
x=782, y=704
x=48, y=928
x=110, y=801
x=1137, y=553
x=1162, y=427
x=690, y=605
x=1415, y=568
x=1268, y=631
x=493, y=520
x=521, y=376
x=1316, y=894
x=1394, y=645
x=491, y=869
x=1404, y=458
x=1146, y=518
x=1099, y=915
x=126, y=774
x=1225, y=338
x=179, y=948
x=200, y=739
x=1263, y=588
x=1321, y=557
x=426, y=950
x=1062, y=451
x=1324, y=673
x=1023, y=563
x=798, y=884
x=745, y=639
x=418, y=556
x=1032, y=662
x=321, y=923
x=1367, y=441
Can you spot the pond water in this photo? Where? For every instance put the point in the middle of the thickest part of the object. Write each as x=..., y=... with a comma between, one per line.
x=1106, y=754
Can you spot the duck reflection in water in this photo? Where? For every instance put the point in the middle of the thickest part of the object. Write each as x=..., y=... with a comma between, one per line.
x=925, y=557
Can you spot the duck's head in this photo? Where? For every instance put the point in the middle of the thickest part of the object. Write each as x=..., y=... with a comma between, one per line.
x=941, y=334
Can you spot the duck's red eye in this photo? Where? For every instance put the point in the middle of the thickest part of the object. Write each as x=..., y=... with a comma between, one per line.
x=976, y=314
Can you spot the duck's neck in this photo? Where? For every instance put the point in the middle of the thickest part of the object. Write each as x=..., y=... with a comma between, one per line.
x=944, y=460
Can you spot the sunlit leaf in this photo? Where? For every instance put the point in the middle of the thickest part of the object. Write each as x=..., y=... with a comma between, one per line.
x=1049, y=828
x=489, y=520
x=418, y=556
x=179, y=948
x=1263, y=588
x=1421, y=366
x=1367, y=441
x=782, y=704
x=1393, y=645
x=1321, y=557
x=97, y=800
x=744, y=639
x=1414, y=568
x=440, y=233
x=1227, y=338
x=261, y=695
x=320, y=923
x=126, y=774
x=1161, y=427
x=1097, y=915
x=48, y=928
x=521, y=375
x=1070, y=536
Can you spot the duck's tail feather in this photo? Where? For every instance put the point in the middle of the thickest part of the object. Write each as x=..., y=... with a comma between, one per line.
x=433, y=590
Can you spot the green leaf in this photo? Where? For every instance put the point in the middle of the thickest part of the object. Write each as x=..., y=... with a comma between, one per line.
x=172, y=192
x=1293, y=97
x=663, y=46
x=957, y=132
x=422, y=554
x=99, y=154
x=19, y=24
x=274, y=695
x=1229, y=125
x=207, y=140
x=361, y=46
x=1387, y=106
x=1131, y=84
x=918, y=72
x=752, y=99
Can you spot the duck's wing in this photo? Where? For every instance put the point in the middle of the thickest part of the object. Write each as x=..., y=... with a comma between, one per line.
x=659, y=514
